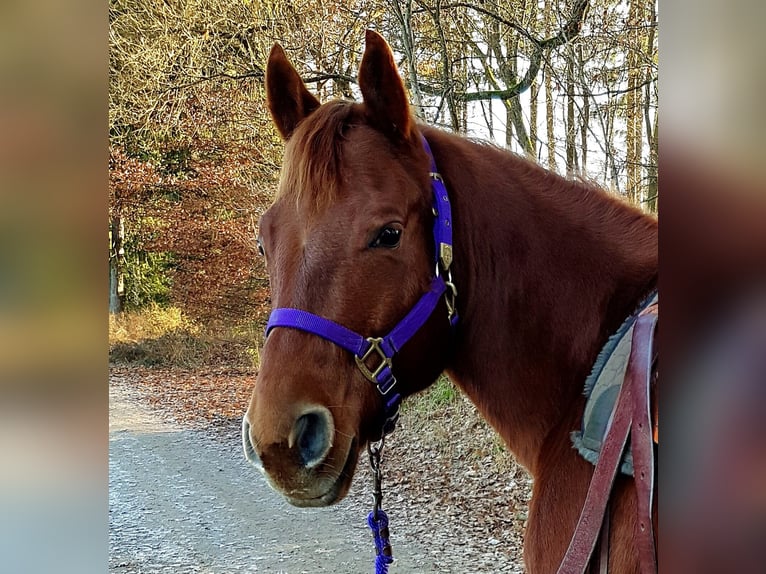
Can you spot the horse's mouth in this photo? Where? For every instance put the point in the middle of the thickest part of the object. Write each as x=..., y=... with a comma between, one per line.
x=337, y=490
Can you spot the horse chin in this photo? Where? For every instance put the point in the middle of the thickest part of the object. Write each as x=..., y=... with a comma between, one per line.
x=337, y=491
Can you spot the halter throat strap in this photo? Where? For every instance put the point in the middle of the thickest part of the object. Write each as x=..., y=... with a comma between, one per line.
x=374, y=355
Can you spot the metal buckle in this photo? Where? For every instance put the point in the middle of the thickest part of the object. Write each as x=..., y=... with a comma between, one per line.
x=385, y=361
x=374, y=450
x=450, y=295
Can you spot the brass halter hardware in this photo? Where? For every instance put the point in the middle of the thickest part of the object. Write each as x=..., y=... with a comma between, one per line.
x=445, y=255
x=361, y=362
x=449, y=297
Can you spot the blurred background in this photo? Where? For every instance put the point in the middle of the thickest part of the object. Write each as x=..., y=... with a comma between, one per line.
x=713, y=282
x=53, y=202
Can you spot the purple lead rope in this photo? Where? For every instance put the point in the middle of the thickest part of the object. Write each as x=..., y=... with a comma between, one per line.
x=377, y=520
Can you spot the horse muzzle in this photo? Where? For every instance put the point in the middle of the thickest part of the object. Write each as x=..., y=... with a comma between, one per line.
x=300, y=466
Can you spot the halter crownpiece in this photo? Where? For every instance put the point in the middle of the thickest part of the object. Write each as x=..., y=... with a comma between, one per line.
x=365, y=349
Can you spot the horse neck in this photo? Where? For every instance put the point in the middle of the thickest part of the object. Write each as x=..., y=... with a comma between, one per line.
x=546, y=270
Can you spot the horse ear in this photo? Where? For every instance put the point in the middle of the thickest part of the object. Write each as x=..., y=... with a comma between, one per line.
x=286, y=95
x=382, y=89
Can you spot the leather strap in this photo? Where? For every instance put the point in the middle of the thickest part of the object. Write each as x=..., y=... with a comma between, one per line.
x=632, y=416
x=603, y=558
x=584, y=539
x=599, y=563
x=603, y=542
x=641, y=440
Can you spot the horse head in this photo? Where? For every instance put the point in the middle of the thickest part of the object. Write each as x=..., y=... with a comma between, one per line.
x=348, y=239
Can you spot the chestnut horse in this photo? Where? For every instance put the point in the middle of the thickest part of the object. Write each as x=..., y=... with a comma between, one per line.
x=545, y=269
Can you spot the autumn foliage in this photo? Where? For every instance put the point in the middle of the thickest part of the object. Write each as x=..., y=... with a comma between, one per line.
x=198, y=201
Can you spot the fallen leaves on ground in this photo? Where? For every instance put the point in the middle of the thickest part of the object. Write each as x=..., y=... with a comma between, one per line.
x=194, y=398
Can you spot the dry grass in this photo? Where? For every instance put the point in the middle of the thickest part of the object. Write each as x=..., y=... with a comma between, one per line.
x=148, y=323
x=164, y=336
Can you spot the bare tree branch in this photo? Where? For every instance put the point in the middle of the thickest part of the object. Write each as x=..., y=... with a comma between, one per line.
x=569, y=30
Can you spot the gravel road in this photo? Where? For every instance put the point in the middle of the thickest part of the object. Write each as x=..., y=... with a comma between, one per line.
x=185, y=501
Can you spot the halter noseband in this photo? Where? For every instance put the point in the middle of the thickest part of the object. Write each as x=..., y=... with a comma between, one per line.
x=384, y=348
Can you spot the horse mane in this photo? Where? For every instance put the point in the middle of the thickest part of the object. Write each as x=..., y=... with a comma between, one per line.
x=311, y=170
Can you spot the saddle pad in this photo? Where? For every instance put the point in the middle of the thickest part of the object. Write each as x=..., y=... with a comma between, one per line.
x=602, y=388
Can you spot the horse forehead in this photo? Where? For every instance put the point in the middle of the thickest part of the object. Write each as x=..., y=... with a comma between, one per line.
x=295, y=232
x=370, y=179
x=368, y=153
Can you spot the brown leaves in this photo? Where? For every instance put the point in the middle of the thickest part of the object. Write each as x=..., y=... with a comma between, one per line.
x=449, y=466
x=206, y=218
x=194, y=398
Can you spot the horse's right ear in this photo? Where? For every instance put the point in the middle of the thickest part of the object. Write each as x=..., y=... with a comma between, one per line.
x=286, y=95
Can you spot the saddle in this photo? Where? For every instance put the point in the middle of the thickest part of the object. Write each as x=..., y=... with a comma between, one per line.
x=603, y=441
x=602, y=387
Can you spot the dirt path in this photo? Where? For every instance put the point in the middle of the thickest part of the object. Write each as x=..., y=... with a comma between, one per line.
x=183, y=500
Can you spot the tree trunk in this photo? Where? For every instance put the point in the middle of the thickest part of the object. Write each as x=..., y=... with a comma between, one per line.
x=571, y=153
x=448, y=83
x=404, y=17
x=652, y=133
x=550, y=133
x=116, y=272
x=653, y=184
x=533, y=139
x=634, y=111
x=584, y=113
x=534, y=90
x=515, y=118
x=615, y=172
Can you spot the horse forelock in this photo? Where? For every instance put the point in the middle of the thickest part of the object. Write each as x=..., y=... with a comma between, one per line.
x=311, y=170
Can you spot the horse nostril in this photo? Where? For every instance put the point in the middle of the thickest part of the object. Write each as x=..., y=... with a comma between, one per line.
x=247, y=445
x=312, y=435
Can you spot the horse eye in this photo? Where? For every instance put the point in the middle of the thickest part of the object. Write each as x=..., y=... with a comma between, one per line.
x=388, y=237
x=259, y=243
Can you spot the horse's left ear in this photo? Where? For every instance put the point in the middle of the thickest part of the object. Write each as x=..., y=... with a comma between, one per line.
x=382, y=89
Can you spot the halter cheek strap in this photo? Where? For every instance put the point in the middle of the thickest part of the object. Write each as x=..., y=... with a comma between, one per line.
x=442, y=215
x=380, y=351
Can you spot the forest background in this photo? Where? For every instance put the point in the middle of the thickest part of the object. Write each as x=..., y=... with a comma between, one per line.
x=194, y=159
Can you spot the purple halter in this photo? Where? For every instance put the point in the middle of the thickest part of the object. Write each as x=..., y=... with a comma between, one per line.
x=363, y=348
